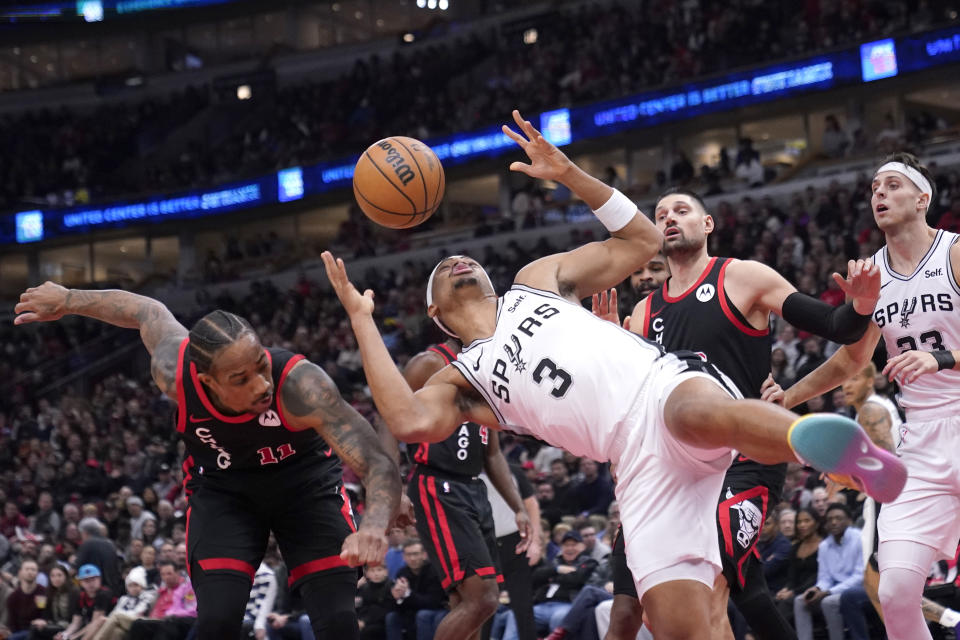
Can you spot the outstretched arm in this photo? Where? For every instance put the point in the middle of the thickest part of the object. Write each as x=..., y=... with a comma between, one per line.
x=847, y=361
x=310, y=400
x=429, y=415
x=596, y=266
x=159, y=330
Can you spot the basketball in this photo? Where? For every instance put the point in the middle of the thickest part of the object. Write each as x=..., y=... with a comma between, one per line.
x=398, y=182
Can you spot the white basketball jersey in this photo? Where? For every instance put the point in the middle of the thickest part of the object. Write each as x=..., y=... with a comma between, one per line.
x=921, y=311
x=555, y=371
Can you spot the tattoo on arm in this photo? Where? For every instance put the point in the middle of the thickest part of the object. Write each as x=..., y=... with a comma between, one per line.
x=311, y=399
x=128, y=310
x=932, y=611
x=875, y=420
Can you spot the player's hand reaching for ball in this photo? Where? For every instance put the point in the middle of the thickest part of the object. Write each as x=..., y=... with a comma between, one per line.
x=546, y=161
x=364, y=546
x=45, y=303
x=862, y=285
x=352, y=300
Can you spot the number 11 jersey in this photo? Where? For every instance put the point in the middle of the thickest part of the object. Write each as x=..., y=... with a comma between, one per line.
x=921, y=311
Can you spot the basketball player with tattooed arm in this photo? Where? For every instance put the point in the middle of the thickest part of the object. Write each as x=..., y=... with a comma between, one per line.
x=918, y=316
x=454, y=518
x=537, y=362
x=265, y=432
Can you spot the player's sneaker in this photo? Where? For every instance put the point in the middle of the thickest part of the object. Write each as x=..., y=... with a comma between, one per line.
x=836, y=444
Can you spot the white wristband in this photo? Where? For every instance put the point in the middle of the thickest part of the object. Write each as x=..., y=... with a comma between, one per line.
x=617, y=212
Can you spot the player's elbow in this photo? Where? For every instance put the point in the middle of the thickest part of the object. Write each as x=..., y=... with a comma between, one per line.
x=417, y=429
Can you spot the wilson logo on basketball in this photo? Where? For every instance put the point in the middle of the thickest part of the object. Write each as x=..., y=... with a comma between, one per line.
x=394, y=159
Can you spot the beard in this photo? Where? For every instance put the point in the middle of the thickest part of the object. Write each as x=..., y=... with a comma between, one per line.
x=682, y=246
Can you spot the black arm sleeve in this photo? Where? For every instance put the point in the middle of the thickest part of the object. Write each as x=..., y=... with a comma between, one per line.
x=840, y=324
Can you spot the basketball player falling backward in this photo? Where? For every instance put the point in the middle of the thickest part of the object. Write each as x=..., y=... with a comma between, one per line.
x=720, y=307
x=535, y=361
x=918, y=315
x=265, y=431
x=454, y=518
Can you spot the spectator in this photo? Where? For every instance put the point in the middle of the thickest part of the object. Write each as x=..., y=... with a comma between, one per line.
x=819, y=501
x=100, y=552
x=418, y=597
x=591, y=546
x=802, y=563
x=594, y=493
x=375, y=601
x=46, y=521
x=394, y=558
x=835, y=139
x=787, y=522
x=950, y=220
x=546, y=496
x=557, y=584
x=94, y=602
x=774, y=550
x=62, y=610
x=839, y=567
x=751, y=172
x=12, y=518
x=613, y=524
x=148, y=560
x=26, y=602
x=174, y=610
x=563, y=488
x=133, y=605
x=138, y=515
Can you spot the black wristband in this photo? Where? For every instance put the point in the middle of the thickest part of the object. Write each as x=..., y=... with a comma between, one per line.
x=945, y=359
x=840, y=324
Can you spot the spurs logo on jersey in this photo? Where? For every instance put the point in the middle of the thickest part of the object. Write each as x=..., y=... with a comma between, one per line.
x=920, y=312
x=751, y=519
x=556, y=340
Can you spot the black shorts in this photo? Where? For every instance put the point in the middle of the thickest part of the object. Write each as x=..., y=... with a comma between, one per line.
x=227, y=529
x=455, y=523
x=623, y=584
x=743, y=507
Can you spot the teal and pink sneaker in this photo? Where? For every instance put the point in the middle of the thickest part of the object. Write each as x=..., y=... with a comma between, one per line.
x=838, y=446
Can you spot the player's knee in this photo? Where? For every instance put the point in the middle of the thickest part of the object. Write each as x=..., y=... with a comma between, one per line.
x=890, y=594
x=482, y=598
x=338, y=624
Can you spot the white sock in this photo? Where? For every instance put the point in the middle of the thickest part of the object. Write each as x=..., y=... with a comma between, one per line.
x=950, y=618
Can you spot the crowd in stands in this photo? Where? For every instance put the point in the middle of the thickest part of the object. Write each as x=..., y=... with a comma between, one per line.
x=90, y=482
x=64, y=156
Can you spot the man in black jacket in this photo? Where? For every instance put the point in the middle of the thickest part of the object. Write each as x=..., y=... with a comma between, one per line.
x=100, y=552
x=418, y=597
x=556, y=584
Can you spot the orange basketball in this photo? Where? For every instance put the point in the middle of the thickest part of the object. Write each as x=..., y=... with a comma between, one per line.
x=398, y=182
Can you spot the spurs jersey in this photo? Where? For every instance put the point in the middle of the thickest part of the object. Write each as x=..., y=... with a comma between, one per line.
x=555, y=371
x=465, y=451
x=921, y=311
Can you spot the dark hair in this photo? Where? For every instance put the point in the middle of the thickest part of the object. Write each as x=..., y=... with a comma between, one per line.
x=166, y=563
x=409, y=542
x=913, y=162
x=213, y=332
x=834, y=506
x=680, y=191
x=810, y=511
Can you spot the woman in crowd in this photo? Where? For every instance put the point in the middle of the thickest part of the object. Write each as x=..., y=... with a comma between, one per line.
x=802, y=572
x=62, y=606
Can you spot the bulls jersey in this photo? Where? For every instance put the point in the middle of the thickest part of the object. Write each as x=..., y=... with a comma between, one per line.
x=703, y=319
x=221, y=446
x=921, y=311
x=555, y=371
x=464, y=452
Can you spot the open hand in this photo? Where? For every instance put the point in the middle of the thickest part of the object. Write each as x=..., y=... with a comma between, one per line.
x=45, y=303
x=604, y=306
x=546, y=161
x=352, y=300
x=862, y=285
x=364, y=546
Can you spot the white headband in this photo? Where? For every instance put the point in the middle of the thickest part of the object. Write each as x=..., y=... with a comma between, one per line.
x=442, y=326
x=910, y=173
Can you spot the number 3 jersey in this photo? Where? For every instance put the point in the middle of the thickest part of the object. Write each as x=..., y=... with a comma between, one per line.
x=226, y=448
x=555, y=371
x=921, y=311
